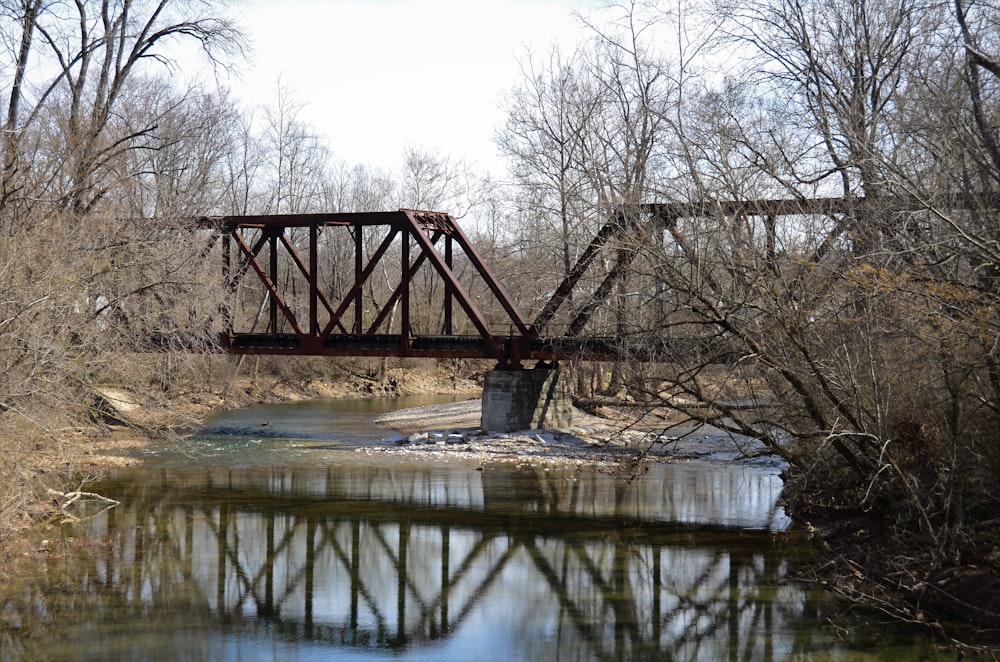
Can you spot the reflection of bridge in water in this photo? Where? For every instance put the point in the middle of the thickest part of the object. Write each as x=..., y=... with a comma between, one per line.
x=545, y=565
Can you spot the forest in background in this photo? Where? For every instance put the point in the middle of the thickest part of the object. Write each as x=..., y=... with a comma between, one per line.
x=866, y=337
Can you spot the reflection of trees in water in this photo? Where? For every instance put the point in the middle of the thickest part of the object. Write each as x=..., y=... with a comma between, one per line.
x=350, y=571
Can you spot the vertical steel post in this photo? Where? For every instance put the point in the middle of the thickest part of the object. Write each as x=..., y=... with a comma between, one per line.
x=221, y=560
x=355, y=571
x=445, y=576
x=402, y=578
x=404, y=328
x=269, y=574
x=272, y=240
x=313, y=282
x=448, y=260
x=230, y=304
x=358, y=275
x=309, y=587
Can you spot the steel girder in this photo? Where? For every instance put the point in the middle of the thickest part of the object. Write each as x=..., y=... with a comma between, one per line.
x=302, y=305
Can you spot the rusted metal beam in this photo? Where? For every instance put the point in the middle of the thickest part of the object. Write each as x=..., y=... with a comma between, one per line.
x=428, y=346
x=414, y=221
x=361, y=277
x=350, y=219
x=571, y=279
x=671, y=211
x=272, y=288
x=322, y=329
x=603, y=291
x=453, y=230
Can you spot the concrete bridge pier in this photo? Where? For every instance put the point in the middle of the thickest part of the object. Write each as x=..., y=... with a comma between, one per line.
x=516, y=398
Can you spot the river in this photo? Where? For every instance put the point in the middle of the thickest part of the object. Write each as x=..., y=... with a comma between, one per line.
x=267, y=536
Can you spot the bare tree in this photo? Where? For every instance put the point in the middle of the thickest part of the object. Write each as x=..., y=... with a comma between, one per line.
x=297, y=157
x=435, y=182
x=94, y=138
x=837, y=72
x=547, y=122
x=861, y=327
x=244, y=166
x=179, y=169
x=87, y=58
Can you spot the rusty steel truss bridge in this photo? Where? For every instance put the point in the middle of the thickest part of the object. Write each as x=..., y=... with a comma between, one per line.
x=372, y=313
x=410, y=283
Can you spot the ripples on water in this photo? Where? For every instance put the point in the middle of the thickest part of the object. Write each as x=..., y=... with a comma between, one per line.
x=317, y=552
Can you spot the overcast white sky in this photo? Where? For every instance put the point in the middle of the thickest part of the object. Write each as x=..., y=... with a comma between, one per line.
x=377, y=75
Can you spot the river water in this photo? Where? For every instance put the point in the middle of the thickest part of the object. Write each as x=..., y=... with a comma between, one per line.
x=268, y=537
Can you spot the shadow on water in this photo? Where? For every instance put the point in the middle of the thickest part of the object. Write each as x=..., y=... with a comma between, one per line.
x=359, y=559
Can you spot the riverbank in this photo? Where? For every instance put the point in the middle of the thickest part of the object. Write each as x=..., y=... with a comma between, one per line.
x=618, y=435
x=42, y=461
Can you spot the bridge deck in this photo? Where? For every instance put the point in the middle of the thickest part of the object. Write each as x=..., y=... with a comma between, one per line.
x=424, y=346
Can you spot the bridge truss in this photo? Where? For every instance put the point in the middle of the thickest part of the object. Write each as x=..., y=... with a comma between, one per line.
x=290, y=292
x=410, y=283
